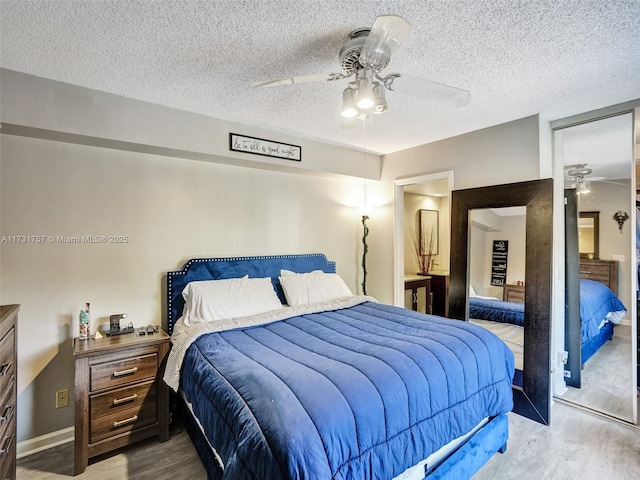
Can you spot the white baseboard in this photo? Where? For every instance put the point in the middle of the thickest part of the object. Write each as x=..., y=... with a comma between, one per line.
x=44, y=442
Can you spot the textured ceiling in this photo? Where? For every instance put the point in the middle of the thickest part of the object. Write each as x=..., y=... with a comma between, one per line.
x=517, y=58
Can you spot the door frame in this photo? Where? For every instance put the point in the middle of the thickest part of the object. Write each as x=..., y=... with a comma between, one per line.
x=398, y=237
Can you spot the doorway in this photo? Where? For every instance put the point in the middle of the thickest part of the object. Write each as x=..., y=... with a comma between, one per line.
x=435, y=191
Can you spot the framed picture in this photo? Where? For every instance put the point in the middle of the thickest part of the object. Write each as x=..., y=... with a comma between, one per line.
x=264, y=147
x=428, y=228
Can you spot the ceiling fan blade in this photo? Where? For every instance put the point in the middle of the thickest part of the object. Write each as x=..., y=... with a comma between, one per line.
x=387, y=33
x=322, y=77
x=433, y=92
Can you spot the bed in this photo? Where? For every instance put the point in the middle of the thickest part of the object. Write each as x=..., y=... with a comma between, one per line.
x=340, y=388
x=485, y=308
x=600, y=310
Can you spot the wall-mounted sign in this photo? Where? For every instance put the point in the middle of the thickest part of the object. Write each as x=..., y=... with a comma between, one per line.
x=499, y=262
x=266, y=148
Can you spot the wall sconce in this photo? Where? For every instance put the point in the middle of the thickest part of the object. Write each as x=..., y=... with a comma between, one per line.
x=620, y=217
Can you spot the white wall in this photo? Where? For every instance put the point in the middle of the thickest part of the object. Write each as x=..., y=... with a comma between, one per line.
x=510, y=228
x=168, y=208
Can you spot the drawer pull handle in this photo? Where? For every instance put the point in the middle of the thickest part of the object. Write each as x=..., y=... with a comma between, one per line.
x=119, y=423
x=5, y=369
x=130, y=398
x=585, y=273
x=7, y=444
x=6, y=415
x=128, y=371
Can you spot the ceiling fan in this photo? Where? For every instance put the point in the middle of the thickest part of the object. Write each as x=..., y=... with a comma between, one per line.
x=366, y=53
x=576, y=174
x=579, y=177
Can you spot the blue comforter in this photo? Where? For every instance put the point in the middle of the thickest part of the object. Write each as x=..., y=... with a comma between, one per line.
x=496, y=310
x=358, y=393
x=596, y=302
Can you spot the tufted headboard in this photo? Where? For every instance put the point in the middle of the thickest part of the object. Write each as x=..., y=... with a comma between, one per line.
x=234, y=267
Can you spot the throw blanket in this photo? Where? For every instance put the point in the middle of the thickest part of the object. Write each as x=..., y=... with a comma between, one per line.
x=360, y=392
x=496, y=310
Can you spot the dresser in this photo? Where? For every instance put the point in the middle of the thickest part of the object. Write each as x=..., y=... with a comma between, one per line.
x=8, y=381
x=603, y=271
x=120, y=396
x=513, y=293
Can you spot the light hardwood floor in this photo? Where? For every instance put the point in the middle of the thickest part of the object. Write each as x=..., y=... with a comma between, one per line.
x=577, y=445
x=146, y=460
x=607, y=378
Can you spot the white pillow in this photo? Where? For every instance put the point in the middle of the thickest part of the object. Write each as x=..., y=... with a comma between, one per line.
x=211, y=300
x=313, y=287
x=289, y=272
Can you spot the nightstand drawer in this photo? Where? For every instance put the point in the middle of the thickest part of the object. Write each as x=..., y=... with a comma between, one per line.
x=7, y=441
x=7, y=367
x=121, y=399
x=122, y=422
x=7, y=408
x=112, y=374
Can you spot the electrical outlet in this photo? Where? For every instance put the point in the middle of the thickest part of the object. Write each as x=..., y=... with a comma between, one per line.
x=62, y=398
x=567, y=374
x=618, y=258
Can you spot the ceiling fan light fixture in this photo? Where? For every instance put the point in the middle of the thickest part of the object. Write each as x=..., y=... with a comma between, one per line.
x=379, y=98
x=363, y=113
x=366, y=53
x=576, y=176
x=349, y=109
x=583, y=187
x=365, y=91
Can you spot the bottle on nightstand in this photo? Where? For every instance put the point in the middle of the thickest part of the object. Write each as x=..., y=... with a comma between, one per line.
x=85, y=329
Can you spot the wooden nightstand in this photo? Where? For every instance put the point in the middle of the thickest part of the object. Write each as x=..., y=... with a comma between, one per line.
x=120, y=396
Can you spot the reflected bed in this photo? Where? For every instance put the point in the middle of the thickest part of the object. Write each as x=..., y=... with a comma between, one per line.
x=600, y=310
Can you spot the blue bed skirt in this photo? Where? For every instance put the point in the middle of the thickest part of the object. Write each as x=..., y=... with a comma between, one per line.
x=591, y=346
x=471, y=456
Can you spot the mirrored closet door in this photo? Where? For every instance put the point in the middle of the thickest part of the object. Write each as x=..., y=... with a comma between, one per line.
x=600, y=247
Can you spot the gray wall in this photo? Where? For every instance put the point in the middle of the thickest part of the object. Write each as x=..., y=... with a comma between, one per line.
x=85, y=163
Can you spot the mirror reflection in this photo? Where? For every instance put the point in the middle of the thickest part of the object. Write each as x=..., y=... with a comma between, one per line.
x=531, y=388
x=601, y=367
x=589, y=235
x=496, y=275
